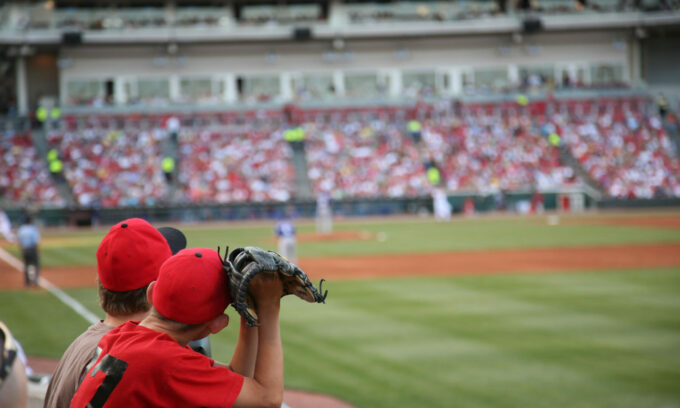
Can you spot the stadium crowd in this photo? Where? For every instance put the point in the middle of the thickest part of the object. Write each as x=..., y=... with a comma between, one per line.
x=363, y=156
x=116, y=161
x=491, y=151
x=235, y=162
x=112, y=166
x=24, y=177
x=624, y=147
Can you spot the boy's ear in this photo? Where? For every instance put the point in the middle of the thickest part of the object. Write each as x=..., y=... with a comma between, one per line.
x=149, y=292
x=218, y=323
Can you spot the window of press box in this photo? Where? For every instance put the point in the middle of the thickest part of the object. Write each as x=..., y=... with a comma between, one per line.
x=606, y=74
x=84, y=92
x=420, y=84
x=254, y=89
x=314, y=86
x=365, y=85
x=488, y=80
x=196, y=89
x=151, y=90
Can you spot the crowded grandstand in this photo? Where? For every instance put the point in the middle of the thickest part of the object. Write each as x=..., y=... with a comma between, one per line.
x=177, y=103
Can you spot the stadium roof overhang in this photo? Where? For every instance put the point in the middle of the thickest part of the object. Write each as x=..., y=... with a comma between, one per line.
x=488, y=26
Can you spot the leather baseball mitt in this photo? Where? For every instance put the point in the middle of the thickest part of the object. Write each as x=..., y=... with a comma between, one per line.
x=243, y=264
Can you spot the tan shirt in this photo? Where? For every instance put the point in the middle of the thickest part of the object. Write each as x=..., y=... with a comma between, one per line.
x=72, y=367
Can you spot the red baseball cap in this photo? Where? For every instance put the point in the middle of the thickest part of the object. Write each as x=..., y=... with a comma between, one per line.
x=131, y=254
x=191, y=287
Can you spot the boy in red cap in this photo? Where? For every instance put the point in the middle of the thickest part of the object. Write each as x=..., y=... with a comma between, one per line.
x=128, y=260
x=149, y=364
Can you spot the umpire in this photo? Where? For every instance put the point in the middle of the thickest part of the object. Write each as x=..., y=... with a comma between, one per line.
x=29, y=237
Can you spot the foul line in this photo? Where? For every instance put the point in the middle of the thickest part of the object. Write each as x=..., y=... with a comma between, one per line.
x=50, y=287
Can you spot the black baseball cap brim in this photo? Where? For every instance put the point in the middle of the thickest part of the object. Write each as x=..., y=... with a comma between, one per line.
x=176, y=239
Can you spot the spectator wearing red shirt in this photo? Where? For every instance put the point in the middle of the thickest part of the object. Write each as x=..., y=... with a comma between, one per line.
x=148, y=363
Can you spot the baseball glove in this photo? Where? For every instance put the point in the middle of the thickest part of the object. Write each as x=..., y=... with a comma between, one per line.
x=243, y=264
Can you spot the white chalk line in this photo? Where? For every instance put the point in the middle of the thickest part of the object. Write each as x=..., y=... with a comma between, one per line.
x=53, y=289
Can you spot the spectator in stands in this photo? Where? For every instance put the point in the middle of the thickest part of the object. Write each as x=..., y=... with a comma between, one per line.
x=24, y=177
x=128, y=259
x=621, y=143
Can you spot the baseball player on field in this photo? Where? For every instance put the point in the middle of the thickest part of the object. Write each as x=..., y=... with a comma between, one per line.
x=285, y=232
x=128, y=259
x=324, y=214
x=148, y=363
x=6, y=227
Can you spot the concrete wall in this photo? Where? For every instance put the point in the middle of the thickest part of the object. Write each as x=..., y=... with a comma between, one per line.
x=451, y=57
x=106, y=61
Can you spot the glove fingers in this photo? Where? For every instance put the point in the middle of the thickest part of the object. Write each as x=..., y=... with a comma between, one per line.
x=302, y=287
x=244, y=303
x=251, y=308
x=249, y=262
x=234, y=253
x=293, y=287
x=242, y=260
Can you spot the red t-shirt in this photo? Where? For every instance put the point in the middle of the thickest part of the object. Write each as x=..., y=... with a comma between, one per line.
x=140, y=367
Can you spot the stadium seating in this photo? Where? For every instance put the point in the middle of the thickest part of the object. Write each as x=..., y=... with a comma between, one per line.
x=24, y=177
x=111, y=166
x=623, y=146
x=363, y=155
x=486, y=152
x=237, y=162
x=114, y=160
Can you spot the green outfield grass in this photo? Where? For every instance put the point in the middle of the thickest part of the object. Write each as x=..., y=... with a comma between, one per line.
x=73, y=247
x=605, y=339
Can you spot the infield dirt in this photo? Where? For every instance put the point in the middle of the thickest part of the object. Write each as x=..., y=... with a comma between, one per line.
x=497, y=261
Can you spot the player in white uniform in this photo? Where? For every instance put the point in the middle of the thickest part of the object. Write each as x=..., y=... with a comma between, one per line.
x=324, y=214
x=442, y=207
x=6, y=227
